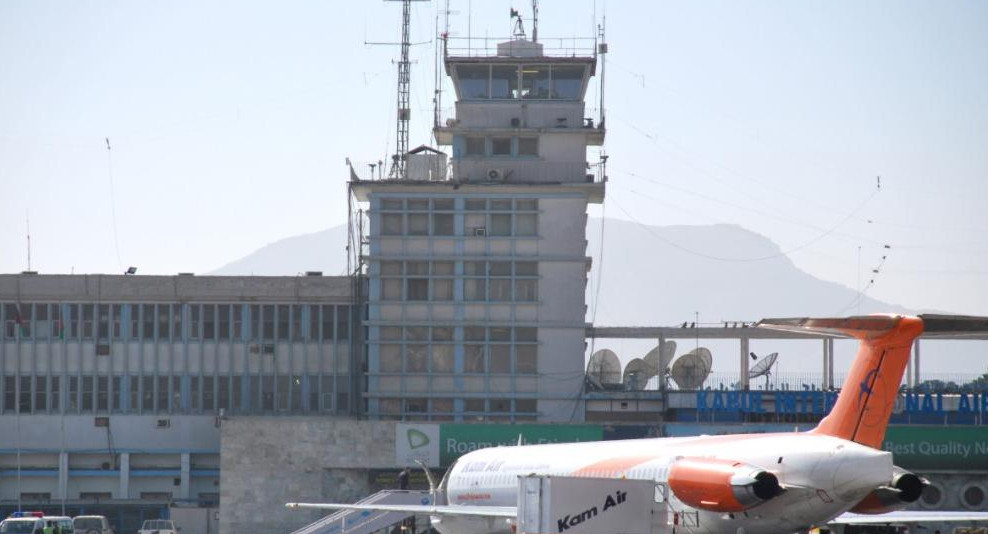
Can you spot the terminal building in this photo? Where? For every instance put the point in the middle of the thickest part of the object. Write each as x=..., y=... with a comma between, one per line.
x=463, y=325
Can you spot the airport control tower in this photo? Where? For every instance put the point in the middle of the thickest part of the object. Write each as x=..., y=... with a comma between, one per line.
x=477, y=263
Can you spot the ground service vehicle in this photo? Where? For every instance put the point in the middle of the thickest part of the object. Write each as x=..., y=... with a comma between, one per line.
x=91, y=524
x=23, y=523
x=158, y=526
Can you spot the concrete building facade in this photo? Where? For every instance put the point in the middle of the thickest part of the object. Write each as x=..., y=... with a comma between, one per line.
x=476, y=279
x=113, y=387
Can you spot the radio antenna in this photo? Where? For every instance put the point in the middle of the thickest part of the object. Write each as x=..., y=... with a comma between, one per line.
x=404, y=87
x=27, y=215
x=535, y=21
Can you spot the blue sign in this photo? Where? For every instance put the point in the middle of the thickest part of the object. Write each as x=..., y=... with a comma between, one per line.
x=820, y=402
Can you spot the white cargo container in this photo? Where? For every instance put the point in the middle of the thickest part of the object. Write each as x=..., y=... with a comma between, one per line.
x=574, y=505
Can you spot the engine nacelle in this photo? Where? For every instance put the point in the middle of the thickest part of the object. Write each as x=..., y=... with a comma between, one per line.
x=904, y=489
x=721, y=485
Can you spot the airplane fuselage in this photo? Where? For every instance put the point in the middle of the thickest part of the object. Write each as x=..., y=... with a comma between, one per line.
x=822, y=476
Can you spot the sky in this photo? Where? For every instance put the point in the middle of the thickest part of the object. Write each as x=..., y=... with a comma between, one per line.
x=229, y=122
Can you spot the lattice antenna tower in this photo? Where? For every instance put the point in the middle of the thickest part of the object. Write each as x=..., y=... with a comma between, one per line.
x=404, y=89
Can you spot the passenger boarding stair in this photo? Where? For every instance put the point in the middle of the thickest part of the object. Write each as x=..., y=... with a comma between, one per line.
x=366, y=521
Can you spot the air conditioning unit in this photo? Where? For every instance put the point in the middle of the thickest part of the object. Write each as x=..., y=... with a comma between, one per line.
x=480, y=231
x=495, y=175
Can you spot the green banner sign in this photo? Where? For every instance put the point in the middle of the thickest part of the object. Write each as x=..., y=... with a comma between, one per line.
x=459, y=439
x=938, y=447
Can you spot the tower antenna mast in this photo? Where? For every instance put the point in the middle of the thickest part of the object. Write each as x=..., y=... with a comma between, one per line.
x=535, y=21
x=404, y=87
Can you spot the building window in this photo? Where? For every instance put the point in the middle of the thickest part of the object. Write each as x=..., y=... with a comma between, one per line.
x=24, y=395
x=41, y=394
x=284, y=319
x=418, y=224
x=56, y=393
x=147, y=321
x=163, y=321
x=195, y=321
x=500, y=225
x=417, y=289
x=87, y=394
x=209, y=322
x=500, y=146
x=473, y=81
x=117, y=320
x=567, y=81
x=73, y=400
x=476, y=146
x=391, y=224
x=102, y=393
x=535, y=81
x=504, y=81
x=442, y=224
x=104, y=321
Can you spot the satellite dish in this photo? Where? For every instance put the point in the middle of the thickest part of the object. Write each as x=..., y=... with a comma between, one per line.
x=692, y=369
x=636, y=375
x=604, y=369
x=658, y=359
x=764, y=367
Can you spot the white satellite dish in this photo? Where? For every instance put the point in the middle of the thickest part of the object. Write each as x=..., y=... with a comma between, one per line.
x=658, y=360
x=636, y=375
x=604, y=369
x=691, y=370
x=764, y=367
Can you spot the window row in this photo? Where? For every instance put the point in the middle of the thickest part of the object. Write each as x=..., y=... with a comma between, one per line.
x=520, y=81
x=505, y=358
x=501, y=146
x=474, y=224
x=499, y=281
x=302, y=322
x=447, y=333
x=173, y=394
x=448, y=204
x=445, y=409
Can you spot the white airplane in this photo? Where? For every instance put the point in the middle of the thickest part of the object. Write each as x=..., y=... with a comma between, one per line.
x=744, y=483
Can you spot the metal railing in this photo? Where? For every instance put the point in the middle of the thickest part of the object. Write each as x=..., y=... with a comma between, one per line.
x=796, y=381
x=551, y=46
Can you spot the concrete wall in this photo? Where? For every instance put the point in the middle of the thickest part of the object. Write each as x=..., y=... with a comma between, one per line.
x=268, y=461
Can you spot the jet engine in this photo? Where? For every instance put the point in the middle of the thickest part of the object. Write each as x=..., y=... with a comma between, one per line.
x=721, y=485
x=904, y=489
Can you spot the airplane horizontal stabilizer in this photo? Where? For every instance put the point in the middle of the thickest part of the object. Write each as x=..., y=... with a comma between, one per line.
x=906, y=517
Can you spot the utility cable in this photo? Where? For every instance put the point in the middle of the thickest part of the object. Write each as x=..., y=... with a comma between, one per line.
x=740, y=260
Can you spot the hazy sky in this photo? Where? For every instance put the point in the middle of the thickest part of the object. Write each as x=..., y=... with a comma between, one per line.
x=229, y=123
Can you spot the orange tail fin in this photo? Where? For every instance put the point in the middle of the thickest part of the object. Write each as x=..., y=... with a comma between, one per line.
x=861, y=413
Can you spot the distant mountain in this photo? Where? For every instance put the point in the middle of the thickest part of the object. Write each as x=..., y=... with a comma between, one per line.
x=652, y=275
x=320, y=251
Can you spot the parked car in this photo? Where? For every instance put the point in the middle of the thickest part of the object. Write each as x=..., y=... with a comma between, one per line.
x=91, y=524
x=158, y=526
x=22, y=525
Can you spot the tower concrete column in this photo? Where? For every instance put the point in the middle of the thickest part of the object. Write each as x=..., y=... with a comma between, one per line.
x=744, y=361
x=63, y=476
x=124, y=476
x=183, y=491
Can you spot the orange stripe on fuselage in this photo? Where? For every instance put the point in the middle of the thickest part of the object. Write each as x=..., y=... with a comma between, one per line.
x=612, y=467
